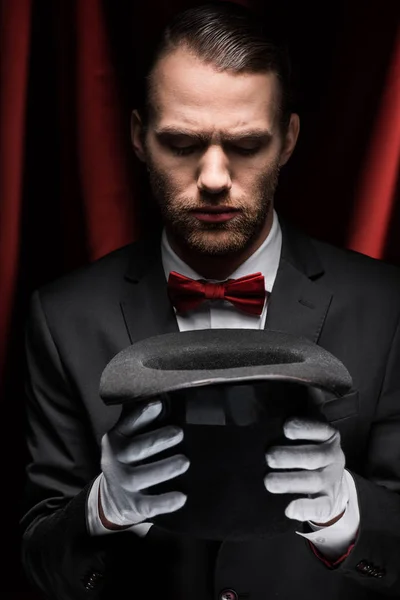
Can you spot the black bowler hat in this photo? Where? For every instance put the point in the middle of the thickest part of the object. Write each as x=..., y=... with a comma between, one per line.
x=231, y=391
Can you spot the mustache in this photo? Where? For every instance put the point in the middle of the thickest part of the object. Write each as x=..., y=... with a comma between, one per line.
x=209, y=200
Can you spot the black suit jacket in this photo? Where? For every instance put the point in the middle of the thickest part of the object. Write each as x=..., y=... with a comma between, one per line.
x=347, y=303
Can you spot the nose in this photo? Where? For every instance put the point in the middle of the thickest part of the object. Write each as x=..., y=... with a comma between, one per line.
x=214, y=176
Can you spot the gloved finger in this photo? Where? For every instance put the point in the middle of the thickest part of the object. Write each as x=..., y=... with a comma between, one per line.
x=319, y=510
x=134, y=418
x=151, y=506
x=147, y=444
x=307, y=456
x=308, y=429
x=295, y=482
x=145, y=476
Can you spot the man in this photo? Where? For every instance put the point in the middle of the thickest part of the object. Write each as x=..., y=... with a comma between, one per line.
x=214, y=132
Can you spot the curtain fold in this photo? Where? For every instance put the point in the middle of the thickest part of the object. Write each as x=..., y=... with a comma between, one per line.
x=14, y=60
x=376, y=192
x=103, y=165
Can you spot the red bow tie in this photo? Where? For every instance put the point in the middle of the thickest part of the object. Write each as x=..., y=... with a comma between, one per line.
x=246, y=293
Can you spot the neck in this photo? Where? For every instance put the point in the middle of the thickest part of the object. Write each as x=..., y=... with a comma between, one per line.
x=219, y=267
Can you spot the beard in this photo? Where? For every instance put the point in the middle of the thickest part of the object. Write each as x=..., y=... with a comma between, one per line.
x=213, y=239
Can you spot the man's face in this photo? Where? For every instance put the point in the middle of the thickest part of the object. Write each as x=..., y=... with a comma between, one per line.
x=213, y=150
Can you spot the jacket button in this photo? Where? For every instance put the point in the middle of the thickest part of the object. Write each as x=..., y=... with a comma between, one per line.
x=92, y=580
x=367, y=568
x=228, y=595
x=363, y=566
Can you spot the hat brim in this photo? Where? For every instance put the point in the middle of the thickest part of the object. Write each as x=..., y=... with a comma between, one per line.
x=177, y=361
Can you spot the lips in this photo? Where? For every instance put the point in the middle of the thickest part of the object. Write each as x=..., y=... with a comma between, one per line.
x=215, y=214
x=215, y=209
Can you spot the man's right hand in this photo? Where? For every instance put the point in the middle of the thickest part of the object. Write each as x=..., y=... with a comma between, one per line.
x=122, y=493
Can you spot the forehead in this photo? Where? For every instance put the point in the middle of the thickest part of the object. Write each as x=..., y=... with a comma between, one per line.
x=186, y=91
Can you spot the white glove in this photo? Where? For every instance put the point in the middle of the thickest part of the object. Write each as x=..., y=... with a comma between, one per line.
x=320, y=475
x=123, y=482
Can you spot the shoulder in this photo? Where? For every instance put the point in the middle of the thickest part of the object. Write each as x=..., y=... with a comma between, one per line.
x=356, y=268
x=343, y=270
x=370, y=286
x=95, y=282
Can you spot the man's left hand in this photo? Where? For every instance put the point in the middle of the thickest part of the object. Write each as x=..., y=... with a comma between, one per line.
x=319, y=472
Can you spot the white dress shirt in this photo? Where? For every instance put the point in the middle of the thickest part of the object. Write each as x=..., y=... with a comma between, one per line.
x=331, y=541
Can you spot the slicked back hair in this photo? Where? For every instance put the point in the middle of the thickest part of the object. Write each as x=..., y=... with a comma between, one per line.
x=229, y=37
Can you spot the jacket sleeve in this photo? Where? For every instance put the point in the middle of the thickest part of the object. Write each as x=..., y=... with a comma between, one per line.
x=59, y=556
x=375, y=559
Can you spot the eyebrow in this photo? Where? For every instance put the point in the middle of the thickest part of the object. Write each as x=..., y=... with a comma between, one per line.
x=225, y=136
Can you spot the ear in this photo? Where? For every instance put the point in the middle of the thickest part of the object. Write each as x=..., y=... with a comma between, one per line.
x=290, y=140
x=137, y=133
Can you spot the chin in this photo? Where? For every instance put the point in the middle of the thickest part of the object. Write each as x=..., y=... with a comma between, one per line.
x=216, y=243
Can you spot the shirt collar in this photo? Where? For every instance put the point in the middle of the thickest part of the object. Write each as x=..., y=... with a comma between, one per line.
x=265, y=259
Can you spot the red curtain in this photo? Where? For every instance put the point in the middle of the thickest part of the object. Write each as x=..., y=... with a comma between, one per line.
x=71, y=190
x=375, y=197
x=14, y=53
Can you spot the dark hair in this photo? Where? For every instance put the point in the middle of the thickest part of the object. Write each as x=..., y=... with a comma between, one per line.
x=231, y=38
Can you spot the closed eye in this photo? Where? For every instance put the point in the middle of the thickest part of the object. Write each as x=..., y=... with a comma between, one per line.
x=187, y=150
x=244, y=151
x=183, y=150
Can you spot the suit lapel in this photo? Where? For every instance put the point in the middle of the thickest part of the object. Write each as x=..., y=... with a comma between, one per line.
x=145, y=304
x=299, y=301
